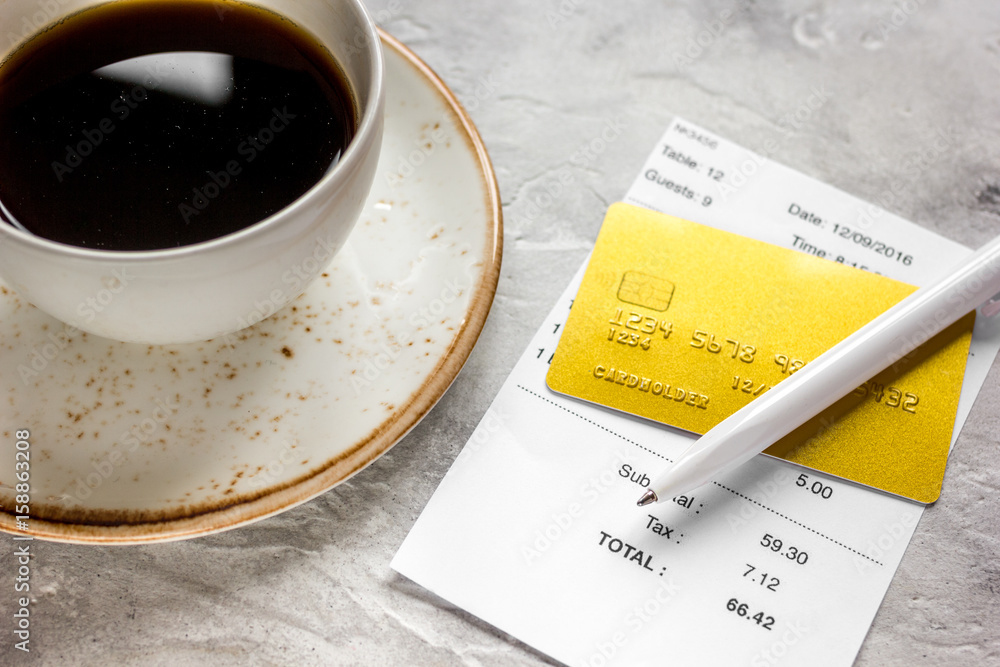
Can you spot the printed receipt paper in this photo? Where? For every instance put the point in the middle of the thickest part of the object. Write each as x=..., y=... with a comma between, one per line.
x=685, y=324
x=535, y=529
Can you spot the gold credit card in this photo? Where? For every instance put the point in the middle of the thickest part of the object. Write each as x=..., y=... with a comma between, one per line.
x=686, y=324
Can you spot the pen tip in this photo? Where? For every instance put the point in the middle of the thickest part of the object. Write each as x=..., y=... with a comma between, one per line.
x=648, y=498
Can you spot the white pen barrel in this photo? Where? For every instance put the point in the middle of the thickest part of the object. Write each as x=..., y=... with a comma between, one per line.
x=837, y=372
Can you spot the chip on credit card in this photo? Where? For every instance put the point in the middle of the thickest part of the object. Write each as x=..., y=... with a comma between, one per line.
x=685, y=324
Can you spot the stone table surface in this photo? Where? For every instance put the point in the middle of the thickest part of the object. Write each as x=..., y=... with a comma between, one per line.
x=313, y=585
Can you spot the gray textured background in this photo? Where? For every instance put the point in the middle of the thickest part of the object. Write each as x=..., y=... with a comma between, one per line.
x=313, y=585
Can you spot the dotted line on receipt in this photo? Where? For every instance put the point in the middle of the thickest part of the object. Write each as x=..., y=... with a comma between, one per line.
x=643, y=204
x=722, y=486
x=593, y=423
x=797, y=523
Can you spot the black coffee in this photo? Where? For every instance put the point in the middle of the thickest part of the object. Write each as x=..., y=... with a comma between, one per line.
x=153, y=124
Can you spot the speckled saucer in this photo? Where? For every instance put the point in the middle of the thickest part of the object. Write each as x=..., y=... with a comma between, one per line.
x=132, y=443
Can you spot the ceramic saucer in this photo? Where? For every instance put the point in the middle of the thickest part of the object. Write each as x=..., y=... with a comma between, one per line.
x=134, y=443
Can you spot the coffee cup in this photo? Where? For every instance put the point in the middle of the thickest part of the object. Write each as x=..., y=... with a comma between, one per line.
x=217, y=286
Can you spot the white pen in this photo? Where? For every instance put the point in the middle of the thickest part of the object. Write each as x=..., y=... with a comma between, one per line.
x=834, y=374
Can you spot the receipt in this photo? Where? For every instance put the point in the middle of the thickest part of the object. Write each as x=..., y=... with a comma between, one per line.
x=535, y=529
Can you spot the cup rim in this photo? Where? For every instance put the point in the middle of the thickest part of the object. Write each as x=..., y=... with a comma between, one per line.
x=348, y=163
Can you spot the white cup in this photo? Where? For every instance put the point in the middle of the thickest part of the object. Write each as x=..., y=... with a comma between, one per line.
x=217, y=287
